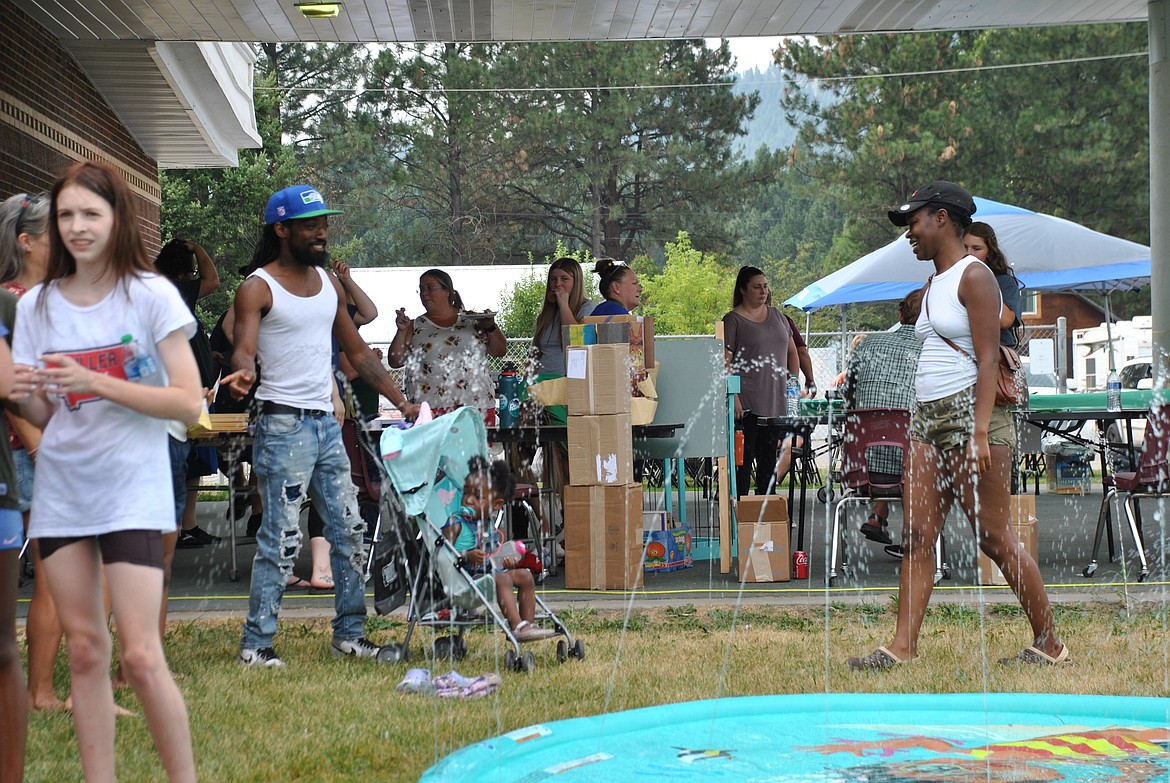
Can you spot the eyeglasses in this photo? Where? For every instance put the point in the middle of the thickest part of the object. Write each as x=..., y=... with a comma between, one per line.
x=430, y=289
x=25, y=203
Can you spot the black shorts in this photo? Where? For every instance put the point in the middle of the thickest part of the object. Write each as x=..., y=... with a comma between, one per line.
x=138, y=547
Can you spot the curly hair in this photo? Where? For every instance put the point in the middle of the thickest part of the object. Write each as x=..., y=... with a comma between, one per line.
x=499, y=476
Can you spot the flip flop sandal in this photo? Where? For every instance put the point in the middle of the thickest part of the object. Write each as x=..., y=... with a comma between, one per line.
x=298, y=584
x=322, y=582
x=878, y=660
x=875, y=530
x=1034, y=656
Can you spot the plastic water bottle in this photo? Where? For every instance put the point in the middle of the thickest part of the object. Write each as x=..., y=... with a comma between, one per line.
x=1113, y=392
x=509, y=415
x=136, y=362
x=509, y=549
x=793, y=396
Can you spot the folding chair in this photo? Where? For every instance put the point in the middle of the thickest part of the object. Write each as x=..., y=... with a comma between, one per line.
x=1031, y=457
x=1150, y=480
x=865, y=429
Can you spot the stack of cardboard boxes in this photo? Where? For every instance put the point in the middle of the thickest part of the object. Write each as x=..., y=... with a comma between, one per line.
x=763, y=538
x=603, y=503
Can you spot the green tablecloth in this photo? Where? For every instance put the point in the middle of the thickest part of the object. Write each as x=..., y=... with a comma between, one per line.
x=1138, y=399
x=818, y=406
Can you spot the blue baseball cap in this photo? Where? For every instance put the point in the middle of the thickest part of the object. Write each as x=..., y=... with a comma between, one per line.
x=296, y=203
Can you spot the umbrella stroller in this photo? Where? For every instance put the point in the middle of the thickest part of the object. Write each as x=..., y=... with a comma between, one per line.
x=426, y=467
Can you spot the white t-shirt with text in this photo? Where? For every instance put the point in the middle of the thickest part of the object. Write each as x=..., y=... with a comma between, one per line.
x=101, y=467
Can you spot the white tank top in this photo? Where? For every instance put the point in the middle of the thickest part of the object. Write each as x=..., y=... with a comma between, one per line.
x=942, y=370
x=295, y=346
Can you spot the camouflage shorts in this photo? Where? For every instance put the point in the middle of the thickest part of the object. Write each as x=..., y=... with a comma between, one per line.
x=947, y=423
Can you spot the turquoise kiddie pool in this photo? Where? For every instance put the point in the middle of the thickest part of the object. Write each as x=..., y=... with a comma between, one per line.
x=841, y=738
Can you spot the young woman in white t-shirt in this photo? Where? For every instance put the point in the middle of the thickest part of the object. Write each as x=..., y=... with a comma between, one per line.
x=102, y=362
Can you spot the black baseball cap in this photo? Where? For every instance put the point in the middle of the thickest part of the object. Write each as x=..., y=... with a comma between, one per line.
x=941, y=193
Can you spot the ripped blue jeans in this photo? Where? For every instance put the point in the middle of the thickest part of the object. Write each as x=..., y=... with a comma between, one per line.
x=293, y=453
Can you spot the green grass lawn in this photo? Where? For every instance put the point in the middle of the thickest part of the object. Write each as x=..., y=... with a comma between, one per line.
x=329, y=719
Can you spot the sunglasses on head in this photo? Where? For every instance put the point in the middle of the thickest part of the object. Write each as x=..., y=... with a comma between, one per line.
x=25, y=203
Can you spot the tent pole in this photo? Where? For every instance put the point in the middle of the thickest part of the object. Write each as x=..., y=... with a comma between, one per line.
x=844, y=334
x=1109, y=334
x=1159, y=34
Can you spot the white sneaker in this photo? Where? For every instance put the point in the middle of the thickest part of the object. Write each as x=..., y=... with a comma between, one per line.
x=260, y=656
x=360, y=647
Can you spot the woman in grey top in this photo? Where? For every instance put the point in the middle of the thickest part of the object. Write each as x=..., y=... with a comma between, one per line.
x=564, y=303
x=759, y=349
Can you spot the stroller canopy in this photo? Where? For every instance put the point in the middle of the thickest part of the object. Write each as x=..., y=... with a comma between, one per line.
x=430, y=466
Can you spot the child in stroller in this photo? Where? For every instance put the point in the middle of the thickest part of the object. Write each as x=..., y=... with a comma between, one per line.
x=485, y=491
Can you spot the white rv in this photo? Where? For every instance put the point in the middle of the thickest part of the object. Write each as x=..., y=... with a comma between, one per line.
x=1132, y=343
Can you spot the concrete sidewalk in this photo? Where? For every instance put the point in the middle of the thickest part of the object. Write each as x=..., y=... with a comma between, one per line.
x=201, y=583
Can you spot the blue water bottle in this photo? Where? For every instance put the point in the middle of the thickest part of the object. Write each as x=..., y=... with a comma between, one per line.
x=793, y=396
x=509, y=396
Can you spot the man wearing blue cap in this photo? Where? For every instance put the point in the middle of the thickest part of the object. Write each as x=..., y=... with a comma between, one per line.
x=286, y=311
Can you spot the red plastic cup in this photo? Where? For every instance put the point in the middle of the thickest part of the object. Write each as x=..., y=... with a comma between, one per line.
x=800, y=565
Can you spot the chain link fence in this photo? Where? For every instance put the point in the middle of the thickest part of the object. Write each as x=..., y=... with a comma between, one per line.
x=829, y=351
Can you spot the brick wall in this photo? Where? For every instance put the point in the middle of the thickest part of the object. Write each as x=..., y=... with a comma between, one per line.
x=52, y=116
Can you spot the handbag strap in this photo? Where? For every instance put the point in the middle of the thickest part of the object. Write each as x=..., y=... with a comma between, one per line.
x=945, y=339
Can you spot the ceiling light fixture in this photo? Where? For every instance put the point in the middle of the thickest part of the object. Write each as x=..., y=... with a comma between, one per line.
x=319, y=10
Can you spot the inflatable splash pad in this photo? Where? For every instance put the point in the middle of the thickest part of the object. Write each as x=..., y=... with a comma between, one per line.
x=839, y=738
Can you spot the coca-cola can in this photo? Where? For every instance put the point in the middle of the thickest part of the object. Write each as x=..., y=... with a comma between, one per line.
x=800, y=565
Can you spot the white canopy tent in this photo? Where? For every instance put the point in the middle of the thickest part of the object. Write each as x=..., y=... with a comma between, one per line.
x=1045, y=252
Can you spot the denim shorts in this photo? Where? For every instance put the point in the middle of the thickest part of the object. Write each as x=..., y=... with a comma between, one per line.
x=948, y=423
x=11, y=529
x=25, y=470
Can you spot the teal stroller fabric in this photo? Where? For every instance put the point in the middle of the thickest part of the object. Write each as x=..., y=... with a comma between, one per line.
x=428, y=465
x=428, y=462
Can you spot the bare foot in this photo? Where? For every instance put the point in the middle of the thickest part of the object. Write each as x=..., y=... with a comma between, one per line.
x=50, y=704
x=122, y=712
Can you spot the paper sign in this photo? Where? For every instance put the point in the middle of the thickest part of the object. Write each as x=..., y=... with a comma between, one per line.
x=575, y=363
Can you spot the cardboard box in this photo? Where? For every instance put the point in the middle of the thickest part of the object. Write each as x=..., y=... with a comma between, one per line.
x=1022, y=516
x=620, y=572
x=603, y=537
x=640, y=337
x=601, y=450
x=761, y=508
x=579, y=334
x=763, y=552
x=597, y=377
